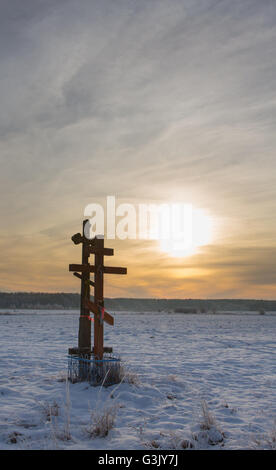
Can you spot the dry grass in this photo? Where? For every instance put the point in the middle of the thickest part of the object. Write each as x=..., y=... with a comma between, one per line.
x=101, y=422
x=14, y=437
x=131, y=378
x=208, y=420
x=272, y=439
x=126, y=376
x=62, y=377
x=120, y=375
x=152, y=444
x=175, y=441
x=267, y=441
x=210, y=432
x=67, y=407
x=63, y=434
x=49, y=410
x=113, y=375
x=187, y=444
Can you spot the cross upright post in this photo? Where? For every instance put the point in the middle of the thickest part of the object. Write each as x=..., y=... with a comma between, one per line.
x=84, y=340
x=98, y=299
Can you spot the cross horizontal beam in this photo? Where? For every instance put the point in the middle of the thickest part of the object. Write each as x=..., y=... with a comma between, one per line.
x=104, y=252
x=87, y=351
x=84, y=268
x=114, y=270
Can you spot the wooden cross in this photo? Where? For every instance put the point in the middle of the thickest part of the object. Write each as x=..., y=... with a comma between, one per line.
x=94, y=247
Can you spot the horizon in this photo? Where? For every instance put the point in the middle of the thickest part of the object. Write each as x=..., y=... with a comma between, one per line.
x=148, y=298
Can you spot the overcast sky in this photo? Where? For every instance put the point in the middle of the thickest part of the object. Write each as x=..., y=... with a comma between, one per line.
x=147, y=100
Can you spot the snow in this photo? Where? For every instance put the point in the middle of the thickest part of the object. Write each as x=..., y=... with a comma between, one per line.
x=204, y=381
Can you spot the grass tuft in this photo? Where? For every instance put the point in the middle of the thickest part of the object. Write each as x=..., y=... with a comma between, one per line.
x=101, y=422
x=208, y=420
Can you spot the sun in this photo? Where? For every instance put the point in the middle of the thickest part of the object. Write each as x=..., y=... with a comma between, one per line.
x=188, y=228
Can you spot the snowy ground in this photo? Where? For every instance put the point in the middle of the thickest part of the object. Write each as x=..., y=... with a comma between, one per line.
x=184, y=363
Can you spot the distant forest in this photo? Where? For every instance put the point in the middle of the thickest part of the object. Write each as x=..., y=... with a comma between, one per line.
x=64, y=301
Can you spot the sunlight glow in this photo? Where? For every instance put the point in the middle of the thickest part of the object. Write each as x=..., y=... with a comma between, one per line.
x=186, y=236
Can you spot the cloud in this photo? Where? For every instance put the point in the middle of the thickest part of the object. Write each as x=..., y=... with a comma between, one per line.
x=156, y=99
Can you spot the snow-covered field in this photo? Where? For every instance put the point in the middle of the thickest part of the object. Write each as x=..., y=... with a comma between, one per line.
x=183, y=366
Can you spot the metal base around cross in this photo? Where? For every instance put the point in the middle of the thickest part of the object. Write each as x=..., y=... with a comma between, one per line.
x=87, y=368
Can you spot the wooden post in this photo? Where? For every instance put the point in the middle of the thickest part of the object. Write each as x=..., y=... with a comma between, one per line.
x=92, y=247
x=98, y=299
x=84, y=342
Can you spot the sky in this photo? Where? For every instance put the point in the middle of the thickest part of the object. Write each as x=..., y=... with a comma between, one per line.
x=149, y=100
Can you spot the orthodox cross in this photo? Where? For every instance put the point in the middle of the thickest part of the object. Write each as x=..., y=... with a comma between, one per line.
x=82, y=271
